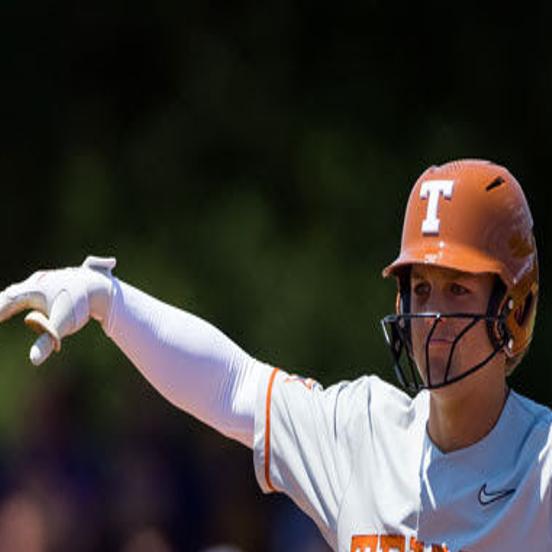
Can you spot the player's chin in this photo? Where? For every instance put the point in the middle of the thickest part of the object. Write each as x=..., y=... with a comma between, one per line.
x=437, y=374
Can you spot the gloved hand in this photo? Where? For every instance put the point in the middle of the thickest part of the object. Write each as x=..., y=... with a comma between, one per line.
x=62, y=301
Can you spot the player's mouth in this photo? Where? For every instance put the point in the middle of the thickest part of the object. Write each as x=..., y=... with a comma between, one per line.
x=440, y=342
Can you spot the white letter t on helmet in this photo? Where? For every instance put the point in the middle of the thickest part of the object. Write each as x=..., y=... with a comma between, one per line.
x=433, y=189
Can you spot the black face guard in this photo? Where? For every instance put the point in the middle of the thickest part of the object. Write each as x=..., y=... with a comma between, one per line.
x=397, y=331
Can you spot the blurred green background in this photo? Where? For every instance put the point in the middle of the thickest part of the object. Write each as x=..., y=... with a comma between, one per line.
x=249, y=162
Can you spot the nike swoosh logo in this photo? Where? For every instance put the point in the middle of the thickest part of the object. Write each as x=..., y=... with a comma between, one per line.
x=485, y=497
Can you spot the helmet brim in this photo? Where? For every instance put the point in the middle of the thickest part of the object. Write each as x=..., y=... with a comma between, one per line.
x=453, y=256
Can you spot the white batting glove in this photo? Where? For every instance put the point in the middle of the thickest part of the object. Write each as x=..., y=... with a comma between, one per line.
x=62, y=301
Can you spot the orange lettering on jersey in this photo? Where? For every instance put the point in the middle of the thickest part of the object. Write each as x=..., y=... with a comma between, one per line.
x=309, y=383
x=364, y=543
x=392, y=543
x=416, y=545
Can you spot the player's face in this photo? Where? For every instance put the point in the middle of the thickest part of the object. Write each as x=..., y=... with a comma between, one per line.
x=445, y=291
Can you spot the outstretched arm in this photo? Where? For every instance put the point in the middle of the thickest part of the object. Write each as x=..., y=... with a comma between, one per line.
x=189, y=361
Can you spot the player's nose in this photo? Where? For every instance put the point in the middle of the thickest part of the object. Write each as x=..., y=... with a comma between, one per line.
x=440, y=326
x=438, y=302
x=436, y=325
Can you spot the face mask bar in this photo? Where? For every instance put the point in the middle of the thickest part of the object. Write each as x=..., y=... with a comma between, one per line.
x=397, y=331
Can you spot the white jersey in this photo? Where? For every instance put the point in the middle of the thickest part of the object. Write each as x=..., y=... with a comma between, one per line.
x=357, y=459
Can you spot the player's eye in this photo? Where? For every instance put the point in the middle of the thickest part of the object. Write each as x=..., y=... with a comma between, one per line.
x=457, y=289
x=422, y=289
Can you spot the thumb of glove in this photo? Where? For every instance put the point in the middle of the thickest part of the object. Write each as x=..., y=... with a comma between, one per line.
x=42, y=348
x=60, y=323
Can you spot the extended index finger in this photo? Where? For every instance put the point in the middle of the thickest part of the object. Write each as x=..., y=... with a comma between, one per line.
x=22, y=296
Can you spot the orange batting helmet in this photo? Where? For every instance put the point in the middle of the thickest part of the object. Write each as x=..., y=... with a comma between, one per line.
x=472, y=216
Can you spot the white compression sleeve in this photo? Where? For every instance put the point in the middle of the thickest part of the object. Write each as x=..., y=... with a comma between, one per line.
x=189, y=361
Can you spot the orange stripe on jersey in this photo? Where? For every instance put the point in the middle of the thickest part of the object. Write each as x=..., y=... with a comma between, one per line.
x=267, y=428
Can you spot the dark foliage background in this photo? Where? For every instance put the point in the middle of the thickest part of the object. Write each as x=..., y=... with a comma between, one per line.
x=249, y=162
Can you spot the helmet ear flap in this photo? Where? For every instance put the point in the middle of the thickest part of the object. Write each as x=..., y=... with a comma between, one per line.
x=521, y=313
x=521, y=317
x=520, y=323
x=497, y=330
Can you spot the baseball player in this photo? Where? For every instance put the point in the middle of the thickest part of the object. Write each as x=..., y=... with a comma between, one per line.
x=458, y=462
